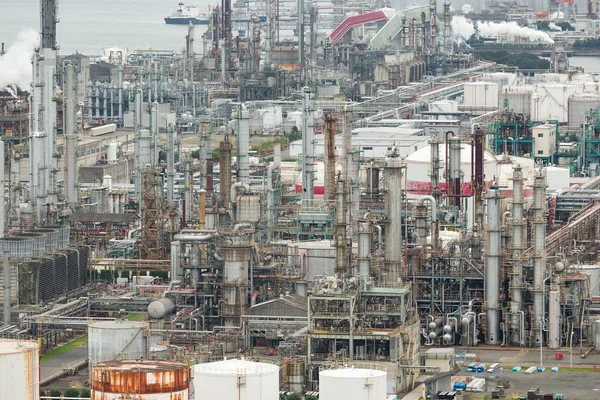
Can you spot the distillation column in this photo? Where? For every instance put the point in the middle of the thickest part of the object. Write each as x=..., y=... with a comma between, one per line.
x=476, y=245
x=237, y=255
x=225, y=168
x=341, y=241
x=308, y=151
x=492, y=267
x=393, y=206
x=329, y=158
x=170, y=163
x=70, y=164
x=519, y=239
x=364, y=248
x=539, y=252
x=436, y=192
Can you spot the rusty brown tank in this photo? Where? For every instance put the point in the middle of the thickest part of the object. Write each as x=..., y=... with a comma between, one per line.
x=140, y=380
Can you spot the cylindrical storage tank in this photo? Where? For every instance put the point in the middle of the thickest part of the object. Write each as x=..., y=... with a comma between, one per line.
x=236, y=380
x=296, y=373
x=352, y=384
x=595, y=332
x=248, y=208
x=19, y=362
x=147, y=380
x=107, y=181
x=110, y=340
x=483, y=95
x=161, y=307
x=111, y=153
x=318, y=257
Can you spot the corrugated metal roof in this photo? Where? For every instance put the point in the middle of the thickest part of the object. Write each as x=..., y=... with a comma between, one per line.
x=290, y=305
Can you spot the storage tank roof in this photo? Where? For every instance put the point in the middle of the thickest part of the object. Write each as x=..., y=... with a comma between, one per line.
x=143, y=366
x=117, y=324
x=424, y=154
x=233, y=367
x=8, y=346
x=352, y=373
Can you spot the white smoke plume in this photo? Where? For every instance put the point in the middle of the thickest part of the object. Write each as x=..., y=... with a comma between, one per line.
x=463, y=29
x=554, y=27
x=15, y=64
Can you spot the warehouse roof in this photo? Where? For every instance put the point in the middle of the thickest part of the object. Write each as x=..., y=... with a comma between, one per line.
x=290, y=305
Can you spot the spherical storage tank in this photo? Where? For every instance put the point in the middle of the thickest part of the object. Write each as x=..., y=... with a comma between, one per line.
x=148, y=380
x=236, y=380
x=352, y=384
x=19, y=366
x=108, y=340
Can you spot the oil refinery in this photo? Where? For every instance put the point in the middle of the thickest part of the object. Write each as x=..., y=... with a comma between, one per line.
x=322, y=200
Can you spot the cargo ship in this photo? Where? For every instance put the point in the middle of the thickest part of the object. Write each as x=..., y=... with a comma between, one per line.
x=186, y=15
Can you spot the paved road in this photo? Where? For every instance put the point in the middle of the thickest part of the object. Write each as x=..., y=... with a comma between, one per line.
x=56, y=364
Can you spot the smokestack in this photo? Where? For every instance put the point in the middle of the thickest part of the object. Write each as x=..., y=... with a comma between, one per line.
x=447, y=34
x=492, y=267
x=330, y=158
x=7, y=282
x=308, y=151
x=225, y=168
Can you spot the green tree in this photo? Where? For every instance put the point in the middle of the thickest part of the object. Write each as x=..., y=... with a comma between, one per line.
x=311, y=397
x=72, y=392
x=294, y=396
x=85, y=393
x=55, y=393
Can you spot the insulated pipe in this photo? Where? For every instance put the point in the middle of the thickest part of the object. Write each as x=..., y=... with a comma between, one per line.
x=492, y=267
x=235, y=187
x=423, y=199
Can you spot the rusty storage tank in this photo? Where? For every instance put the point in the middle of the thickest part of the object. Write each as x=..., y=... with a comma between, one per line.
x=21, y=358
x=143, y=380
x=236, y=379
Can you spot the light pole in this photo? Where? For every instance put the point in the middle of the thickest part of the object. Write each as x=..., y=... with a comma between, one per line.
x=571, y=349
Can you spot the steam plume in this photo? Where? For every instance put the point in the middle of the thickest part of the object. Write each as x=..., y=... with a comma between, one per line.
x=15, y=65
x=463, y=29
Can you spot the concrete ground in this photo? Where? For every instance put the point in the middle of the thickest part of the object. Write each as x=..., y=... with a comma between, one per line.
x=580, y=383
x=56, y=364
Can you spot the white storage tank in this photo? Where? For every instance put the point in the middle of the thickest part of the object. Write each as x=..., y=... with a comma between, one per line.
x=318, y=257
x=19, y=363
x=236, y=380
x=483, y=95
x=111, y=153
x=352, y=384
x=109, y=340
x=148, y=380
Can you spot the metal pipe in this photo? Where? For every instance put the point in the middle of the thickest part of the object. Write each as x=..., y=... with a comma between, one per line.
x=7, y=288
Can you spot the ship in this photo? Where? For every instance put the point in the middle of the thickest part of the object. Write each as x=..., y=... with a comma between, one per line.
x=186, y=15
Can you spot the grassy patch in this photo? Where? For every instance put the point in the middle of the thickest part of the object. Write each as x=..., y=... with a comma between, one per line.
x=63, y=349
x=136, y=317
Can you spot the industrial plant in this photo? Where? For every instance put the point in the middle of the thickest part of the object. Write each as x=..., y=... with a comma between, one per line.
x=321, y=200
